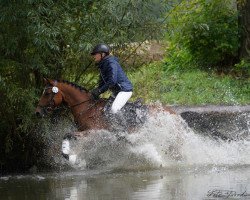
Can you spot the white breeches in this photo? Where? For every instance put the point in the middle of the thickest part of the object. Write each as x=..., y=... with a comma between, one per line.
x=120, y=100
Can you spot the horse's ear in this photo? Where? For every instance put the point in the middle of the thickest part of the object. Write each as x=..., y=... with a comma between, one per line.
x=47, y=81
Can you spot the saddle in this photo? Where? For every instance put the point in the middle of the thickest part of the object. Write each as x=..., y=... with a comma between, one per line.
x=133, y=114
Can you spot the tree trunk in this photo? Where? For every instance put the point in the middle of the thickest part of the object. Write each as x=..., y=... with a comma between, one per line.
x=244, y=26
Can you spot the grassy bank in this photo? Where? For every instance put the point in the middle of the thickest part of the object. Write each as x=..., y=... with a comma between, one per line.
x=193, y=87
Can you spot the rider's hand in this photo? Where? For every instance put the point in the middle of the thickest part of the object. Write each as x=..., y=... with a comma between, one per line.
x=95, y=93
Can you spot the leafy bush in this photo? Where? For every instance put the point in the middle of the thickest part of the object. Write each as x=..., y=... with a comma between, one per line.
x=17, y=121
x=242, y=69
x=203, y=33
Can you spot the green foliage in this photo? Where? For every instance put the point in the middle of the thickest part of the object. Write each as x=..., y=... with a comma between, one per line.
x=243, y=68
x=17, y=120
x=193, y=87
x=197, y=87
x=202, y=33
x=146, y=81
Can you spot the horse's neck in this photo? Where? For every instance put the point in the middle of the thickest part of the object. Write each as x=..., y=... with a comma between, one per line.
x=72, y=95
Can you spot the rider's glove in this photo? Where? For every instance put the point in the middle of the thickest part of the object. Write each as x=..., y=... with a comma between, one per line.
x=95, y=93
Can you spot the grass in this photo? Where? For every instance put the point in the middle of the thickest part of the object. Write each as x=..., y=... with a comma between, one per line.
x=194, y=87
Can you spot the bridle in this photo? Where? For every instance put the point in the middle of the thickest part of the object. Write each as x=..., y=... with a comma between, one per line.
x=51, y=105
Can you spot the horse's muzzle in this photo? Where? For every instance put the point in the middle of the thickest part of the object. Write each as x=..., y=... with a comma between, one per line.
x=39, y=112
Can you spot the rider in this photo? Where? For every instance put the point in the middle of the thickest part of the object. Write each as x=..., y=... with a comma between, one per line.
x=111, y=77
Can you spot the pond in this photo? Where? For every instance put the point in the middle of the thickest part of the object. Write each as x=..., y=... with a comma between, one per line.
x=197, y=183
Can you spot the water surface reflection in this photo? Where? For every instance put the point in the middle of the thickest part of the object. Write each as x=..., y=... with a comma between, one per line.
x=161, y=184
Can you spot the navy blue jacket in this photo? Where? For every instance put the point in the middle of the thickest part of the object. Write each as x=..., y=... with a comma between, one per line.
x=112, y=76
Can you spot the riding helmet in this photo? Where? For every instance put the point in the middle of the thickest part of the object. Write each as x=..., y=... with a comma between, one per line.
x=101, y=48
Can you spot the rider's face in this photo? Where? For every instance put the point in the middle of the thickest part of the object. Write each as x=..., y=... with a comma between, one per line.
x=97, y=57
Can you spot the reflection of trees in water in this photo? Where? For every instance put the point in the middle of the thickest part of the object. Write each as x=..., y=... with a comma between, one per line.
x=120, y=186
x=117, y=187
x=173, y=183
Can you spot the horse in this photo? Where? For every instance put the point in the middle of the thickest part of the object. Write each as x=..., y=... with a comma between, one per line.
x=89, y=114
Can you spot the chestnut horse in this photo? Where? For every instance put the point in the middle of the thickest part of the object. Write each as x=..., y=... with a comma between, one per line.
x=88, y=113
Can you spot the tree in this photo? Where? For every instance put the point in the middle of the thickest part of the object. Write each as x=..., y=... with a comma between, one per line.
x=203, y=34
x=244, y=25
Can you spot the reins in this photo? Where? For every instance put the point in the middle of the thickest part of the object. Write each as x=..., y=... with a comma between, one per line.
x=84, y=111
x=80, y=103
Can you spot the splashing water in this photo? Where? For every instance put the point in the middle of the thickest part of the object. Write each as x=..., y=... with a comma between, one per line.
x=164, y=141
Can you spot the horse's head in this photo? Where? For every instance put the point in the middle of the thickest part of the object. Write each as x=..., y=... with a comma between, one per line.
x=50, y=99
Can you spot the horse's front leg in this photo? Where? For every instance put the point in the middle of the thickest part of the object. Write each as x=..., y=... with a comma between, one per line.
x=67, y=150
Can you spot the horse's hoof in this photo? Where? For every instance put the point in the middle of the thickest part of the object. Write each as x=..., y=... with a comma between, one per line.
x=66, y=156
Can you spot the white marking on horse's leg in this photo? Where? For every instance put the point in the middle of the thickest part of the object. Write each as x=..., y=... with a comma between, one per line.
x=72, y=159
x=65, y=147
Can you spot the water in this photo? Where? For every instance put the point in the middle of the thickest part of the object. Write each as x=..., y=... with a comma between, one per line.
x=154, y=184
x=163, y=160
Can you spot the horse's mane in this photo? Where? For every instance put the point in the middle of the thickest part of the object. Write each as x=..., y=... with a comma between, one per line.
x=73, y=84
